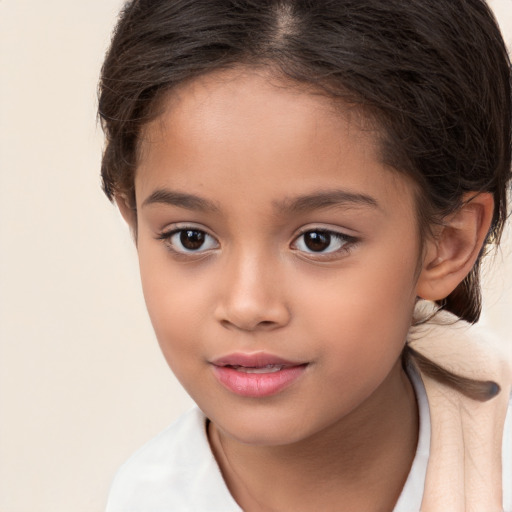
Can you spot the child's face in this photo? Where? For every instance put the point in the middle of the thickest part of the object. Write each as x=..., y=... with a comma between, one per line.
x=298, y=249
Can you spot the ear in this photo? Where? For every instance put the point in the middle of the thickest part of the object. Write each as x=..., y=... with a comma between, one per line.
x=128, y=212
x=451, y=253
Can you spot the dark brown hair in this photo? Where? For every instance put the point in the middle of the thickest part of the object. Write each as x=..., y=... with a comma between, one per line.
x=434, y=75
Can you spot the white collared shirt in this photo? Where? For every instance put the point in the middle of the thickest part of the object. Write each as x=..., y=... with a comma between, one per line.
x=177, y=472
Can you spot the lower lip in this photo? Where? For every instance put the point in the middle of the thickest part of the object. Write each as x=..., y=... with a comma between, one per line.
x=257, y=385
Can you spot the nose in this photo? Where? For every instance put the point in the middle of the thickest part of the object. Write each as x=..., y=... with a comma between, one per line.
x=252, y=295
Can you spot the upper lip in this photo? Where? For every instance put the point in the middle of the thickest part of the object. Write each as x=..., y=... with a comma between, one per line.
x=254, y=360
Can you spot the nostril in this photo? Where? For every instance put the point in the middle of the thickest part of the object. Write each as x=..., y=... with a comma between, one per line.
x=225, y=323
x=250, y=313
x=248, y=326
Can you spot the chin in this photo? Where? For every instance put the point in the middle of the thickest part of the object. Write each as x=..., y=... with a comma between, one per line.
x=262, y=428
x=264, y=436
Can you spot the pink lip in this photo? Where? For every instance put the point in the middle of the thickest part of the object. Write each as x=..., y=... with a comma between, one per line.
x=256, y=385
x=254, y=360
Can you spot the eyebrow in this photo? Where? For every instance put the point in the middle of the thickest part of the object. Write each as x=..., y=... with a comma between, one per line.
x=325, y=199
x=314, y=201
x=187, y=201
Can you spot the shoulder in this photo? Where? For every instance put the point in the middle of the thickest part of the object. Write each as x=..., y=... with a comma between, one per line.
x=466, y=433
x=174, y=471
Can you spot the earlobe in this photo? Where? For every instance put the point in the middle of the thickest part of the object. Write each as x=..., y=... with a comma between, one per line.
x=450, y=255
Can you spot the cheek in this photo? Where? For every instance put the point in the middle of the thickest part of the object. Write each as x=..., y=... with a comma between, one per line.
x=368, y=307
x=176, y=304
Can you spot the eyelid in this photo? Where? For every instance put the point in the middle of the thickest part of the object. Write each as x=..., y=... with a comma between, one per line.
x=325, y=228
x=175, y=227
x=167, y=233
x=350, y=241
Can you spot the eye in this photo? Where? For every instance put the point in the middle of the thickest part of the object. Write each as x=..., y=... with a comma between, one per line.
x=322, y=241
x=189, y=240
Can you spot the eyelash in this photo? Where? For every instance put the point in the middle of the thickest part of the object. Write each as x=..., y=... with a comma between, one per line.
x=167, y=236
x=346, y=242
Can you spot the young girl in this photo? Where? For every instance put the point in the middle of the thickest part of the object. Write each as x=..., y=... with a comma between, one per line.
x=300, y=177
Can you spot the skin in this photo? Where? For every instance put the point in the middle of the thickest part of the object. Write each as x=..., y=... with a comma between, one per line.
x=249, y=146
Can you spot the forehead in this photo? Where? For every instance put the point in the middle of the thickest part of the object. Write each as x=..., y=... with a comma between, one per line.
x=251, y=130
x=246, y=102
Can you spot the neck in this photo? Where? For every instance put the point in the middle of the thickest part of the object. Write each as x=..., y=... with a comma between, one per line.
x=371, y=449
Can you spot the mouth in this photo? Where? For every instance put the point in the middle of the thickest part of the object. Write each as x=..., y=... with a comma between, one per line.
x=269, y=368
x=256, y=375
x=254, y=360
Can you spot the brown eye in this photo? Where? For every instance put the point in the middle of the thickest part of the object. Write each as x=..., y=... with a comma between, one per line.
x=189, y=240
x=323, y=241
x=317, y=241
x=192, y=239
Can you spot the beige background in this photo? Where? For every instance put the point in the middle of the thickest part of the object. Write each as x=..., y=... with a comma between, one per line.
x=82, y=382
